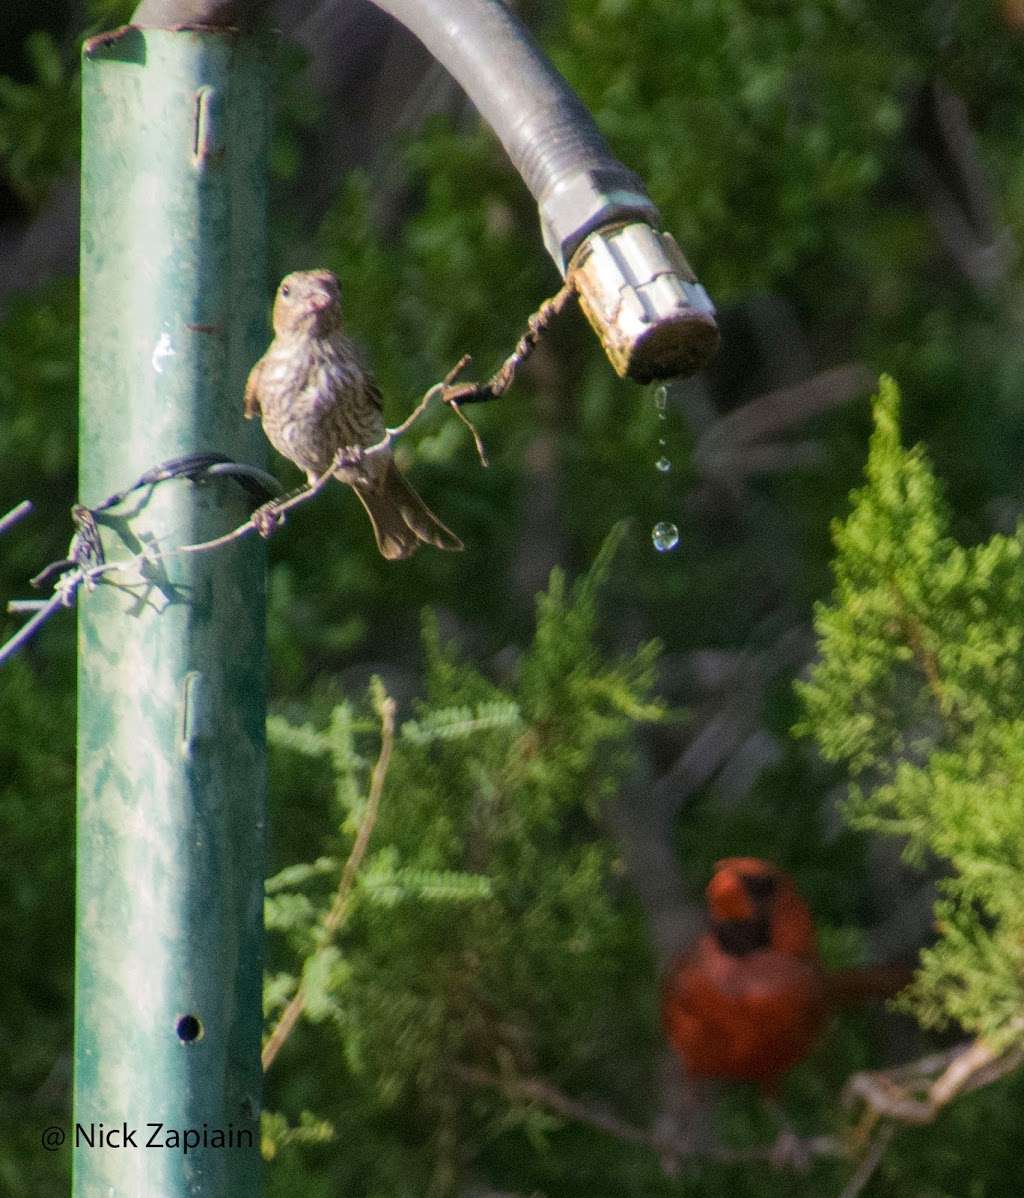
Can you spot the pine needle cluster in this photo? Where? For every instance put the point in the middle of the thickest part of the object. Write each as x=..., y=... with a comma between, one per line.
x=918, y=691
x=486, y=929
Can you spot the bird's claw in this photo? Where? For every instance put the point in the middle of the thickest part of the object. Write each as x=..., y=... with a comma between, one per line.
x=266, y=519
x=790, y=1152
x=351, y=457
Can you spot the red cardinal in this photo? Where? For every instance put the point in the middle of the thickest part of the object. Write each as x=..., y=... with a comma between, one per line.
x=748, y=1000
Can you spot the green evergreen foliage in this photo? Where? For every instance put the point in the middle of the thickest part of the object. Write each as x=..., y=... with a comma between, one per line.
x=489, y=924
x=39, y=118
x=38, y=375
x=717, y=85
x=486, y=928
x=36, y=916
x=38, y=121
x=918, y=692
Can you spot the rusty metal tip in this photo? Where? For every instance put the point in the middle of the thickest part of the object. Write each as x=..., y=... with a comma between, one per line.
x=674, y=349
x=93, y=45
x=189, y=14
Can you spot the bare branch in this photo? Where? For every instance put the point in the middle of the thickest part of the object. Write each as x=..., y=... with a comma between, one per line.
x=946, y=167
x=536, y=326
x=265, y=519
x=336, y=916
x=779, y=411
x=915, y=1093
x=29, y=629
x=339, y=908
x=14, y=515
x=548, y=1096
x=480, y=451
x=869, y=1162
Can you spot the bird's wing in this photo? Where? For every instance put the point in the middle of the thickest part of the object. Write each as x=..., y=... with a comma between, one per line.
x=252, y=391
x=373, y=392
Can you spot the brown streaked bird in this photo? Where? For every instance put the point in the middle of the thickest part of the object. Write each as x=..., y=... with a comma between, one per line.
x=315, y=398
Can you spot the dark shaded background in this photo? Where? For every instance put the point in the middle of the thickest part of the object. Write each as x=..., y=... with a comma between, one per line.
x=847, y=178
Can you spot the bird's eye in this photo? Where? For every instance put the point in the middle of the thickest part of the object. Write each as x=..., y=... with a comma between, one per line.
x=285, y=289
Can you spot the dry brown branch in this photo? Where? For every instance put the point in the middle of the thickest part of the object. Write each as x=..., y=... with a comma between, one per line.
x=945, y=165
x=336, y=916
x=544, y=1094
x=869, y=1162
x=499, y=382
x=916, y=1092
x=741, y=443
x=267, y=517
x=779, y=411
x=926, y=660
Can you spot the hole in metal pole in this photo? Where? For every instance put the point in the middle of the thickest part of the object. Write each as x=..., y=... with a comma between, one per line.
x=189, y=1029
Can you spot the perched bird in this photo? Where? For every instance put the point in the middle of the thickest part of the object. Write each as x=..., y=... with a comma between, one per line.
x=315, y=398
x=748, y=1000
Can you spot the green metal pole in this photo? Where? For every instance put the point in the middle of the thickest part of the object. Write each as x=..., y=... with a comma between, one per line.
x=171, y=663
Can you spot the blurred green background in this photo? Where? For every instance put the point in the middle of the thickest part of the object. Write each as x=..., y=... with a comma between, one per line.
x=847, y=178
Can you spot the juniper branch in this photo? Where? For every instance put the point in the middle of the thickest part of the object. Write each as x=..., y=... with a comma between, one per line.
x=335, y=918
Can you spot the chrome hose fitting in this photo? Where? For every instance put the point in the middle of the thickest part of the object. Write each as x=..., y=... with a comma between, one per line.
x=653, y=318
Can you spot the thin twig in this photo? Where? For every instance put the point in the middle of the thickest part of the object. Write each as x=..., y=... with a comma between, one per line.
x=481, y=452
x=536, y=326
x=28, y=629
x=335, y=917
x=14, y=515
x=869, y=1162
x=776, y=412
x=266, y=517
x=542, y=1092
x=264, y=520
x=895, y=1093
x=928, y=662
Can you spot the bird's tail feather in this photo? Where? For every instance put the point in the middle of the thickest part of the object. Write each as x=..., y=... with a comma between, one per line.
x=400, y=519
x=847, y=986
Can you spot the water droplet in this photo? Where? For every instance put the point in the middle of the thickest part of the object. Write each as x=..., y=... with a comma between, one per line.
x=663, y=464
x=662, y=441
x=661, y=402
x=665, y=536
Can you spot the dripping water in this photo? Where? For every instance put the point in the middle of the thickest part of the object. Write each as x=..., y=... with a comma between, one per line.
x=664, y=534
